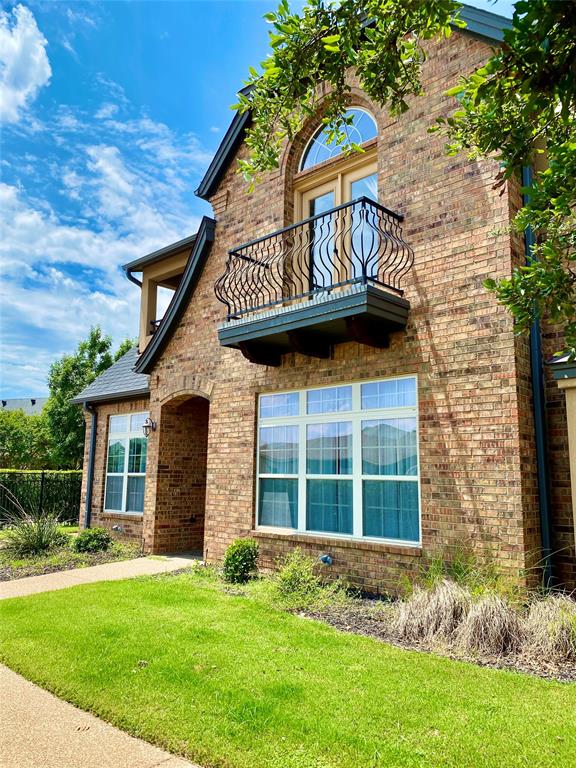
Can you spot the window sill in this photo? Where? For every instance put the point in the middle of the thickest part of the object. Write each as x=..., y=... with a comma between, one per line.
x=367, y=545
x=123, y=516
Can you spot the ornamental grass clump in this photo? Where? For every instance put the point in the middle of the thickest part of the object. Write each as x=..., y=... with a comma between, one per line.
x=30, y=534
x=435, y=613
x=491, y=627
x=35, y=536
x=551, y=629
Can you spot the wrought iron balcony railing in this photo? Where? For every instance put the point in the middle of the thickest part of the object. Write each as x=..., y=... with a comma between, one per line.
x=358, y=242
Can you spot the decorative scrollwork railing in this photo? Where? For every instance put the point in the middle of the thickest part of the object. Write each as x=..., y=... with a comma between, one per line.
x=358, y=242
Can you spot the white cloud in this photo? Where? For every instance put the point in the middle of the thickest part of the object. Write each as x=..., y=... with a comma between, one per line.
x=99, y=189
x=106, y=111
x=80, y=17
x=24, y=65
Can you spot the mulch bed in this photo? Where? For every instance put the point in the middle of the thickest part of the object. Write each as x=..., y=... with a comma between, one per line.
x=359, y=620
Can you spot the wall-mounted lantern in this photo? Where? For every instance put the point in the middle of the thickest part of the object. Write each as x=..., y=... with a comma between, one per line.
x=148, y=426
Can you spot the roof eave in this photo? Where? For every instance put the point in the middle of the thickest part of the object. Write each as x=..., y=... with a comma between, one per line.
x=182, y=295
x=162, y=253
x=112, y=396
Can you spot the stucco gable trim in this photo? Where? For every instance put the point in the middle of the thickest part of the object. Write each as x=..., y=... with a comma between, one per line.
x=181, y=298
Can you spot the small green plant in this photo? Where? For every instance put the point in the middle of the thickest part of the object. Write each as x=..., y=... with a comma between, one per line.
x=298, y=586
x=240, y=560
x=92, y=540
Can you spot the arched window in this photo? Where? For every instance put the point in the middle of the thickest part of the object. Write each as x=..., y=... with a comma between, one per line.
x=362, y=129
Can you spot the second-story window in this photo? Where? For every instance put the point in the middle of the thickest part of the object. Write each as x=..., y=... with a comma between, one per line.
x=327, y=180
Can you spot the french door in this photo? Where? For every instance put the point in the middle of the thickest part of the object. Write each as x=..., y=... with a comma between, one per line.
x=338, y=241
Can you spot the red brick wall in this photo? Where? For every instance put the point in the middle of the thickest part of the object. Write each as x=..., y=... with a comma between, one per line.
x=477, y=457
x=476, y=441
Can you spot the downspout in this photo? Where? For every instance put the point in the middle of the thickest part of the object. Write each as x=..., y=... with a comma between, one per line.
x=539, y=401
x=90, y=471
x=133, y=279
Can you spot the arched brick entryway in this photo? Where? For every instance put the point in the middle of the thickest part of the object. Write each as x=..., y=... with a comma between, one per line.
x=180, y=487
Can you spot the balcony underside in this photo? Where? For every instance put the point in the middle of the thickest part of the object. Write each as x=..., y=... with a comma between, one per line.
x=363, y=313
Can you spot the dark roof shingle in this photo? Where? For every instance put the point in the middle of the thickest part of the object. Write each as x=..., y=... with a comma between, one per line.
x=117, y=382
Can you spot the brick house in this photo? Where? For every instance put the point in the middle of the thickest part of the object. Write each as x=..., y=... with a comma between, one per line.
x=330, y=372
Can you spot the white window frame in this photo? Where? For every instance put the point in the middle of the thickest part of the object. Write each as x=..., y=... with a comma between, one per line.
x=125, y=437
x=356, y=415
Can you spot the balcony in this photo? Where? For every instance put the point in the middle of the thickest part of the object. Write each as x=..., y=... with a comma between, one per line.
x=331, y=278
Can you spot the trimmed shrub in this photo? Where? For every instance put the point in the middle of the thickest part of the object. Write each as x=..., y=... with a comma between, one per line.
x=92, y=540
x=240, y=560
x=551, y=629
x=492, y=627
x=35, y=536
x=434, y=613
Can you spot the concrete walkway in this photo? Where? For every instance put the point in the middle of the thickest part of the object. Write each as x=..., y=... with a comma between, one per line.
x=126, y=569
x=37, y=730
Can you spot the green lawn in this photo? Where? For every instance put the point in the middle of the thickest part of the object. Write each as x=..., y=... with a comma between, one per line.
x=227, y=681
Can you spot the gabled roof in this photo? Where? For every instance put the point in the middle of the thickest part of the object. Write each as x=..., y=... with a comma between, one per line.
x=182, y=295
x=117, y=382
x=169, y=250
x=481, y=23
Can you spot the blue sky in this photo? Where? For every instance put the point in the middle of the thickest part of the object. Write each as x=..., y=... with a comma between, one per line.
x=110, y=113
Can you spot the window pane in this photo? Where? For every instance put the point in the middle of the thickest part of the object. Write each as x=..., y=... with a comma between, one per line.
x=278, y=450
x=322, y=242
x=395, y=393
x=118, y=424
x=114, y=490
x=137, y=421
x=330, y=400
x=278, y=502
x=391, y=509
x=137, y=454
x=329, y=506
x=116, y=454
x=329, y=448
x=279, y=405
x=389, y=447
x=362, y=128
x=135, y=495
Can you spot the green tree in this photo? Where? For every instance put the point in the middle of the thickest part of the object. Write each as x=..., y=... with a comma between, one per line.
x=24, y=441
x=521, y=103
x=69, y=376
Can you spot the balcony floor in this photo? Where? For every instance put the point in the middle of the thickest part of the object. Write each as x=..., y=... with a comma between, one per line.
x=362, y=313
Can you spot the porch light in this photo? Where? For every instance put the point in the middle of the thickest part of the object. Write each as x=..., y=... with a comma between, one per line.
x=148, y=426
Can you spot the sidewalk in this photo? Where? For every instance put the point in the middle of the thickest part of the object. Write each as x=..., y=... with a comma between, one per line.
x=126, y=569
x=37, y=730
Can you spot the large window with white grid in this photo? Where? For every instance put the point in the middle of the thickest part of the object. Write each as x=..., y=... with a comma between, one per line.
x=126, y=464
x=341, y=461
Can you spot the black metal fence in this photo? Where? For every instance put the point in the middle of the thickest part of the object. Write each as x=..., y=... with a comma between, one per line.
x=358, y=242
x=41, y=492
